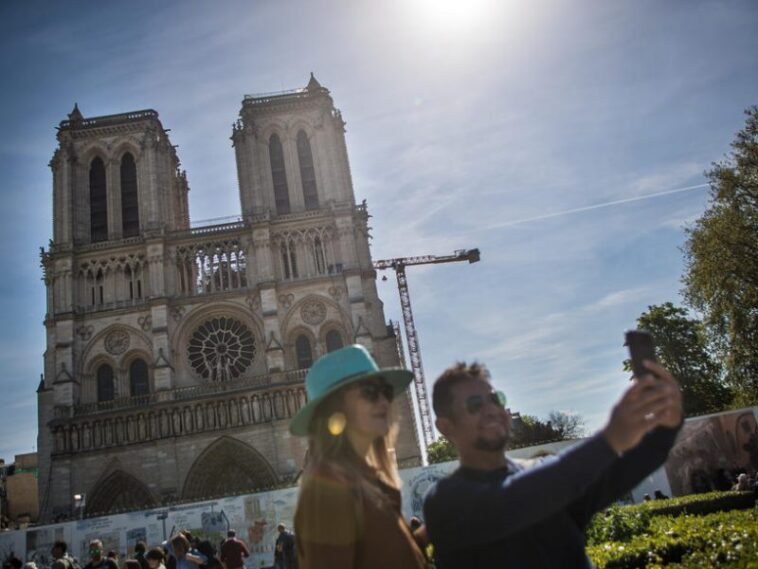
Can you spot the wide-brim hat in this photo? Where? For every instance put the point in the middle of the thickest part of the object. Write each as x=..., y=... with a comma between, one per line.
x=336, y=370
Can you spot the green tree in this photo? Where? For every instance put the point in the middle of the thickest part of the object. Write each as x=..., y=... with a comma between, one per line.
x=681, y=346
x=566, y=426
x=441, y=450
x=529, y=430
x=721, y=255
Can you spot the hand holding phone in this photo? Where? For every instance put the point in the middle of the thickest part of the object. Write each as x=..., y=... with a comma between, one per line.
x=641, y=347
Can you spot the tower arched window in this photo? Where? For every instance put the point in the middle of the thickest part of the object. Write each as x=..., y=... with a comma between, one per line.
x=289, y=260
x=98, y=294
x=278, y=175
x=139, y=382
x=333, y=340
x=129, y=201
x=98, y=201
x=105, y=391
x=303, y=352
x=319, y=256
x=307, y=172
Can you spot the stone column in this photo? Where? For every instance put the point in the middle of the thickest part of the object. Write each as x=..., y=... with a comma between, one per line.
x=65, y=384
x=113, y=182
x=163, y=371
x=271, y=329
x=292, y=162
x=262, y=263
x=155, y=261
x=244, y=144
x=346, y=237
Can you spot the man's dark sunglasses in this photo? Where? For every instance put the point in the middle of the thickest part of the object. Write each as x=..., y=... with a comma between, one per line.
x=371, y=391
x=475, y=403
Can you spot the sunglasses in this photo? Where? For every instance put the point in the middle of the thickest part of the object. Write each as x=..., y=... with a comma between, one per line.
x=372, y=391
x=475, y=403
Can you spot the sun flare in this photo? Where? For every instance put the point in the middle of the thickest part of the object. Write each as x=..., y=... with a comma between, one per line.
x=451, y=15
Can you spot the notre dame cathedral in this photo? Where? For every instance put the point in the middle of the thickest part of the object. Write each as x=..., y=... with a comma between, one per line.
x=176, y=354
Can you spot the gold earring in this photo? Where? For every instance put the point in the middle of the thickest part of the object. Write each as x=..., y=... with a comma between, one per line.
x=336, y=424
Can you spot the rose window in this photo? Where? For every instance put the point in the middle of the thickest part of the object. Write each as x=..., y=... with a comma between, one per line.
x=221, y=349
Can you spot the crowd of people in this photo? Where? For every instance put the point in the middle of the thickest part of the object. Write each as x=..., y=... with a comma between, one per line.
x=181, y=551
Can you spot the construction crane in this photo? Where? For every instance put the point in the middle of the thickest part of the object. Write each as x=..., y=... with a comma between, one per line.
x=414, y=352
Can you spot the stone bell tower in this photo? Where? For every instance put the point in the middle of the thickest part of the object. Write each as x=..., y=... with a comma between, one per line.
x=176, y=354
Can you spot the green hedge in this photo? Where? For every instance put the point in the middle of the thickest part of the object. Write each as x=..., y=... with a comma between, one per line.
x=618, y=523
x=721, y=539
x=621, y=523
x=699, y=503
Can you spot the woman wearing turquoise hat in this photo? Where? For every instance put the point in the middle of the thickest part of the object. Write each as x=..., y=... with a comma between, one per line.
x=348, y=512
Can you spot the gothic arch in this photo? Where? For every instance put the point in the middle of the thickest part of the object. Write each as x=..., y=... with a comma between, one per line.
x=124, y=145
x=334, y=314
x=125, y=369
x=133, y=354
x=142, y=343
x=300, y=124
x=329, y=327
x=94, y=150
x=274, y=127
x=228, y=466
x=118, y=491
x=291, y=347
x=89, y=377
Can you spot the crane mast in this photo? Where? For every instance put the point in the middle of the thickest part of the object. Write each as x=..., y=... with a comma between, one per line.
x=414, y=352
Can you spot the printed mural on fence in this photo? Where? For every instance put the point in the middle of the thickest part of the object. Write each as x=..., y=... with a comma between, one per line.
x=255, y=518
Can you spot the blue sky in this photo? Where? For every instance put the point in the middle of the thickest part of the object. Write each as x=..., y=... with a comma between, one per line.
x=468, y=125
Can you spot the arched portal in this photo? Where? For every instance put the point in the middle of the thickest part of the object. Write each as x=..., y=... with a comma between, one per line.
x=119, y=491
x=227, y=467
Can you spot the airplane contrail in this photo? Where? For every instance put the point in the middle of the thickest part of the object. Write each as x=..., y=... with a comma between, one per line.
x=591, y=207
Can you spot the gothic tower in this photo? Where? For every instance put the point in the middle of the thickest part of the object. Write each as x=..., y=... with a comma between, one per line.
x=176, y=354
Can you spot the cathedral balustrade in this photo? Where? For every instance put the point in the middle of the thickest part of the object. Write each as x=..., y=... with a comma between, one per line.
x=118, y=304
x=208, y=266
x=83, y=248
x=182, y=414
x=184, y=393
x=109, y=120
x=219, y=228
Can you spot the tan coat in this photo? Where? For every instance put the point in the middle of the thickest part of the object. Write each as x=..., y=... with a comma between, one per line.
x=338, y=527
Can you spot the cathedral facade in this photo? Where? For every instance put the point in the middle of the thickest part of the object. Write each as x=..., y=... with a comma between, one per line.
x=176, y=354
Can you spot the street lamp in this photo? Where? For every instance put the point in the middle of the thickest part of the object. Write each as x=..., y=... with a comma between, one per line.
x=79, y=502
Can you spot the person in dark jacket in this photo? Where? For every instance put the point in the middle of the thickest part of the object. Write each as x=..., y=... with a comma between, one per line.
x=492, y=513
x=139, y=554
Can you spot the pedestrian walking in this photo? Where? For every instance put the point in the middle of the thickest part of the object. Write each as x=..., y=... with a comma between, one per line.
x=233, y=550
x=284, y=549
x=97, y=560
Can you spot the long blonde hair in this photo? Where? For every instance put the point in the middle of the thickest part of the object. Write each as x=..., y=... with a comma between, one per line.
x=336, y=452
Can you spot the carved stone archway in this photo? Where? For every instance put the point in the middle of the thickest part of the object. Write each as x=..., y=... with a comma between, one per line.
x=119, y=491
x=227, y=467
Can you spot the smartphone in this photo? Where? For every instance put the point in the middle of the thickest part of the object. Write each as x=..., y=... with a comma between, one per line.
x=641, y=347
